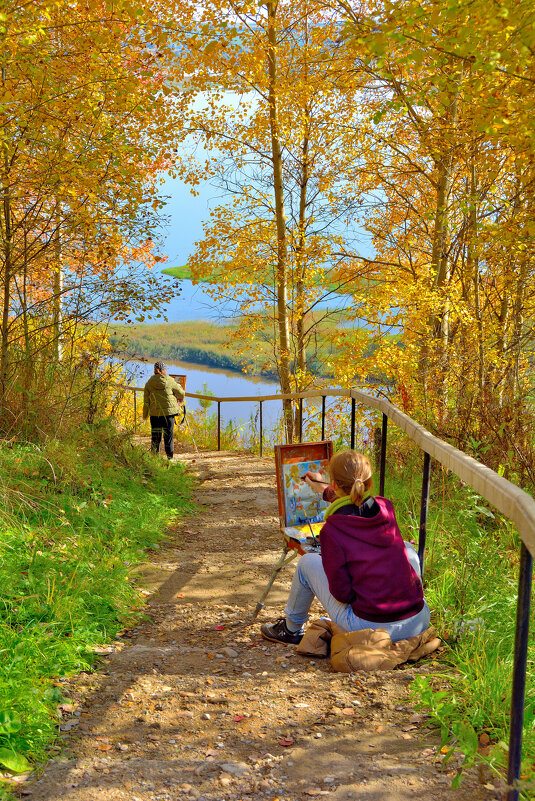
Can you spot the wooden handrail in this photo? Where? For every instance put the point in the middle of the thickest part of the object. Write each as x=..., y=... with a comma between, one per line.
x=506, y=497
x=331, y=393
x=509, y=499
x=513, y=502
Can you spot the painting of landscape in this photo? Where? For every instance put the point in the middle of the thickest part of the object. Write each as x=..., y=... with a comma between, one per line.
x=301, y=502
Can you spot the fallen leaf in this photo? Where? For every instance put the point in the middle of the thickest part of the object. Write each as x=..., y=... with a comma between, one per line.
x=237, y=718
x=219, y=628
x=286, y=742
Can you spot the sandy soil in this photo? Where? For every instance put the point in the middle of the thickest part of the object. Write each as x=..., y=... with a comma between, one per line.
x=193, y=704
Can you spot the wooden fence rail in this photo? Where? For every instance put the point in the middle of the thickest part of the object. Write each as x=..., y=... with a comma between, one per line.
x=507, y=498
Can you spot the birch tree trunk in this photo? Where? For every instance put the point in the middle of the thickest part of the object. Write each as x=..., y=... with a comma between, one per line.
x=7, y=245
x=300, y=263
x=439, y=324
x=58, y=285
x=280, y=216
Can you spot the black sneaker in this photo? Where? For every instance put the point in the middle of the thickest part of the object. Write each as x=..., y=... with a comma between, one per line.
x=279, y=632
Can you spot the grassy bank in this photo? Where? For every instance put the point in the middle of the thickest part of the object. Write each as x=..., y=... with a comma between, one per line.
x=184, y=272
x=471, y=574
x=202, y=342
x=76, y=519
x=195, y=341
x=335, y=280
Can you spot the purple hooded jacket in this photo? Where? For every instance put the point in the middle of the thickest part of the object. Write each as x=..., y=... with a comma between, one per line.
x=366, y=565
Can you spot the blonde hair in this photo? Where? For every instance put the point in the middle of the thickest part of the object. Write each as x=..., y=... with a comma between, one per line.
x=352, y=473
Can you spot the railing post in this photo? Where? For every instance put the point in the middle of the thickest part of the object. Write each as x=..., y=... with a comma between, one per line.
x=261, y=429
x=300, y=419
x=135, y=408
x=424, y=504
x=519, y=672
x=323, y=416
x=353, y=404
x=384, y=432
x=218, y=425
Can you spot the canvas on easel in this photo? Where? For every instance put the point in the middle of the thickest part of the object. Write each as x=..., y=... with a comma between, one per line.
x=180, y=379
x=300, y=508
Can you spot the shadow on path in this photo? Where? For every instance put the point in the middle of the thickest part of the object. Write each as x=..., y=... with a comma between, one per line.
x=193, y=704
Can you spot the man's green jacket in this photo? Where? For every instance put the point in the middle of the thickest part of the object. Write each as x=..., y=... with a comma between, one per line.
x=161, y=396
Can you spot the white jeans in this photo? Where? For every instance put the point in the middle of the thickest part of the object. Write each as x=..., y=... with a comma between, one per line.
x=309, y=580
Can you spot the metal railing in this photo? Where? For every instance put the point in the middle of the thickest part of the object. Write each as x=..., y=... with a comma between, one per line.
x=507, y=498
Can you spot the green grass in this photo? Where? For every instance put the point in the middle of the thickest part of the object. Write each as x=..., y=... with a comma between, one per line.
x=331, y=280
x=76, y=519
x=185, y=273
x=471, y=574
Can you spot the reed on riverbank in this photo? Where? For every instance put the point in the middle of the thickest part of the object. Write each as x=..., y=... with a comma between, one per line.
x=196, y=341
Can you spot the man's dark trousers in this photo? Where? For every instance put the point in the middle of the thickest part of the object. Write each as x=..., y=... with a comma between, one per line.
x=162, y=424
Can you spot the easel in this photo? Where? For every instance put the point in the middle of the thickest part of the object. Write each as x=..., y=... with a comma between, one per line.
x=181, y=379
x=290, y=460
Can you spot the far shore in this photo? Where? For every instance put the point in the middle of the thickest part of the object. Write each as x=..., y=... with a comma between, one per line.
x=206, y=344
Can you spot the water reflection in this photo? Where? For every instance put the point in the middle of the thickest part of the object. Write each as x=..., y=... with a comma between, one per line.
x=225, y=383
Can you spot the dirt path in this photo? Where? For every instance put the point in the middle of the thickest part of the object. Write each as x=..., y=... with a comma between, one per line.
x=193, y=704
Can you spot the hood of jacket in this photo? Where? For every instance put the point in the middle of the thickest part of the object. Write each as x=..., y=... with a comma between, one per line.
x=379, y=530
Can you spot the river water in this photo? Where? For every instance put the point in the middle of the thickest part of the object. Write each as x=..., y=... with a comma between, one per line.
x=223, y=383
x=226, y=383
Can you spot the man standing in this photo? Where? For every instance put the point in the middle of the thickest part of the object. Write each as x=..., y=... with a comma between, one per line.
x=161, y=398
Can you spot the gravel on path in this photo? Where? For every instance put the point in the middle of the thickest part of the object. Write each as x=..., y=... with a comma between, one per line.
x=194, y=704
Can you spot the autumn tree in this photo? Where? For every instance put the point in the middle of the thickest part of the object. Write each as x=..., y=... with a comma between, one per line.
x=85, y=126
x=275, y=117
x=449, y=181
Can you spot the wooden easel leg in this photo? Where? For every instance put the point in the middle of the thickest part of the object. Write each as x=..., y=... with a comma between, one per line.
x=284, y=560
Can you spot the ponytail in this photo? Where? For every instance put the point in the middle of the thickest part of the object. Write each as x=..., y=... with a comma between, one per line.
x=357, y=492
x=352, y=473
